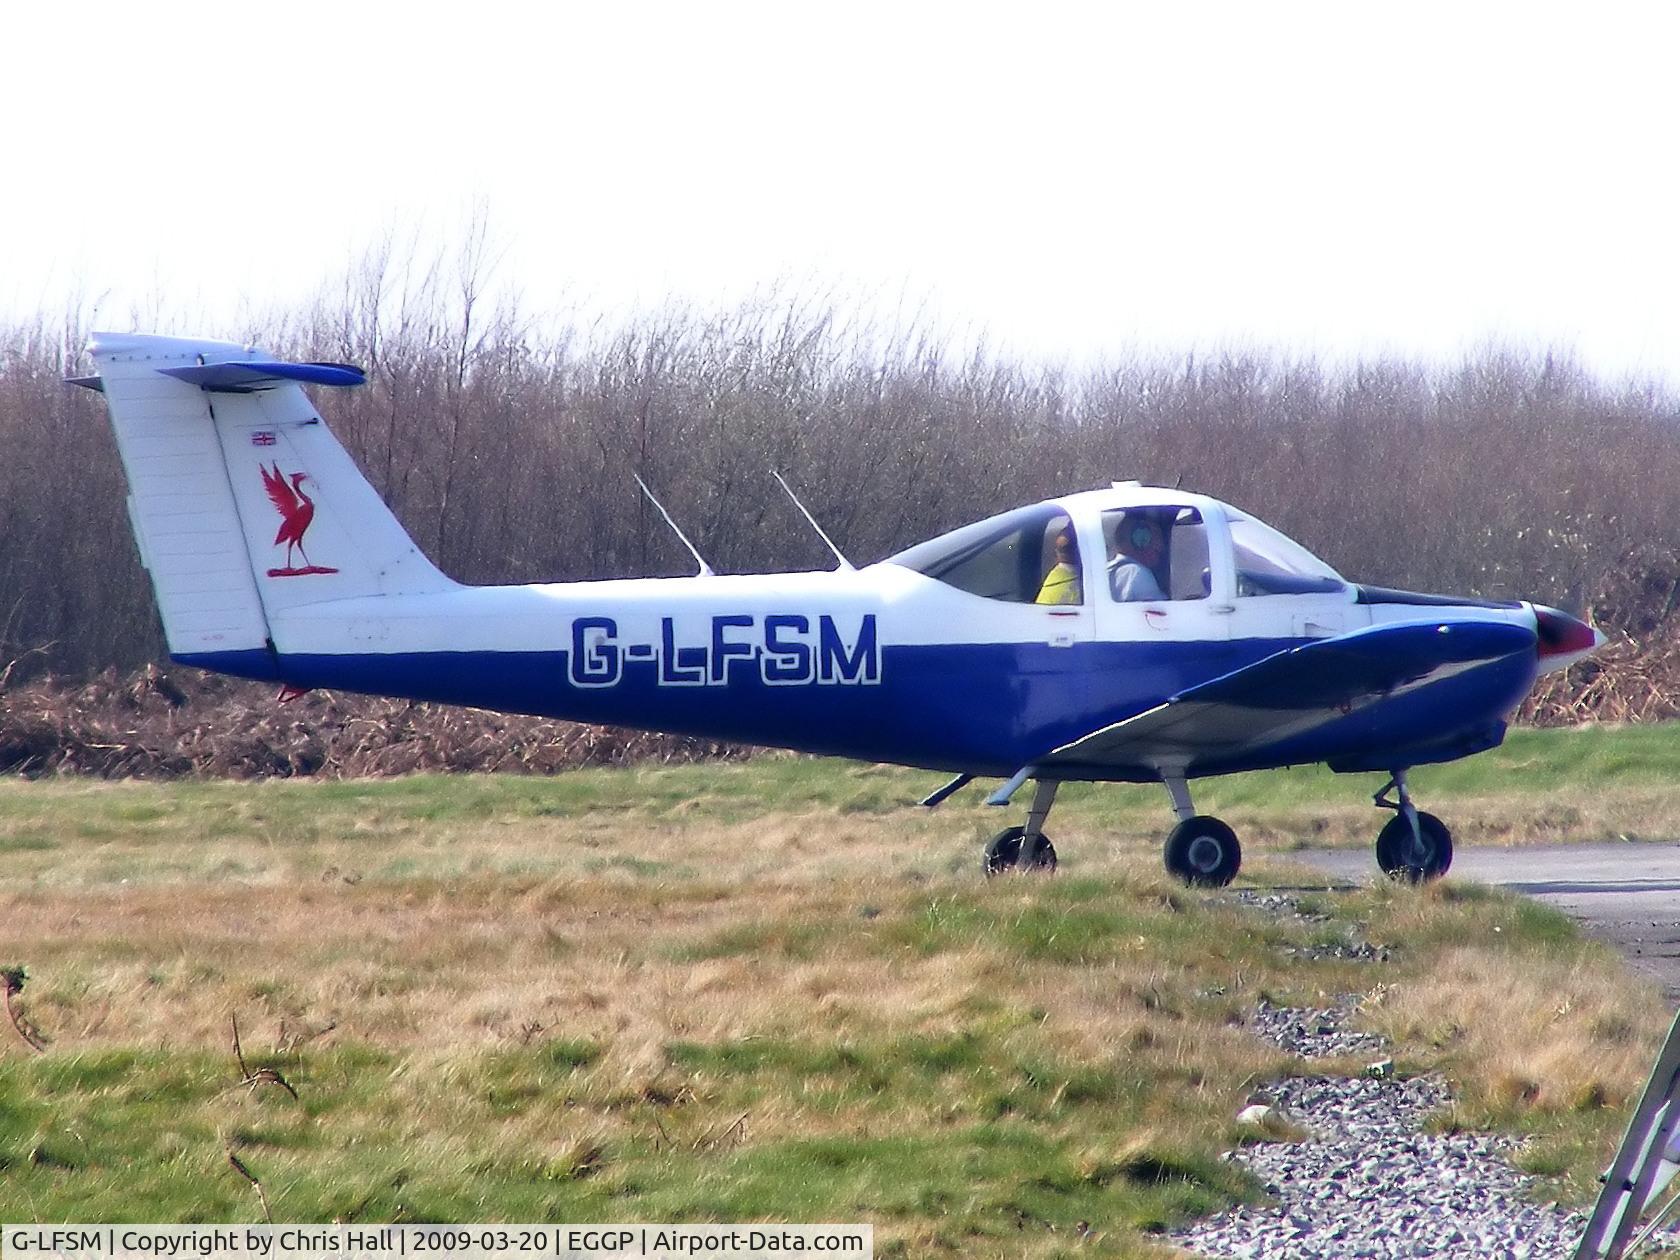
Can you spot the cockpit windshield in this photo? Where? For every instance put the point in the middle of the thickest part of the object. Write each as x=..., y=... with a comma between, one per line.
x=1270, y=563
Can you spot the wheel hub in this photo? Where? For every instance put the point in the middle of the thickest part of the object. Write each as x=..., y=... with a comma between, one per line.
x=1205, y=854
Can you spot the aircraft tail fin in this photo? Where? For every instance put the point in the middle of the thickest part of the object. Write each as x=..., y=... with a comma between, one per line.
x=243, y=503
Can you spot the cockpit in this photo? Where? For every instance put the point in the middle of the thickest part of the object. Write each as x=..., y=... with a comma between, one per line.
x=1122, y=547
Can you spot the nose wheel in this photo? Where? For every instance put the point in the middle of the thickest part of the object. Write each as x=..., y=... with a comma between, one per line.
x=1413, y=846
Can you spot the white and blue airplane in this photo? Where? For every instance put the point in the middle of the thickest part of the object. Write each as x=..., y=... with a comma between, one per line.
x=1132, y=634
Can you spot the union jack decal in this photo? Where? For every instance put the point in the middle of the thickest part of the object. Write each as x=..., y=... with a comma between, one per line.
x=262, y=437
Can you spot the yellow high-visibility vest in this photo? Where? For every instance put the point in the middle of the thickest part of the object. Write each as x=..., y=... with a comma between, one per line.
x=1061, y=586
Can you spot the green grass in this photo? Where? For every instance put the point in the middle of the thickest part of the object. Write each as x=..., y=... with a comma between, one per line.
x=774, y=991
x=131, y=1136
x=1589, y=784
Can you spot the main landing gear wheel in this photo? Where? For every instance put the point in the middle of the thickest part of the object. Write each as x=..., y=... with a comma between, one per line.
x=1203, y=852
x=1004, y=852
x=1418, y=859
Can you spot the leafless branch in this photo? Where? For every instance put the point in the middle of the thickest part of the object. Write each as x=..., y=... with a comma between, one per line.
x=262, y=1075
x=238, y=1166
x=711, y=1139
x=11, y=984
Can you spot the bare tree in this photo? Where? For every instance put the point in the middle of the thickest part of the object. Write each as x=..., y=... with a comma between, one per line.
x=509, y=444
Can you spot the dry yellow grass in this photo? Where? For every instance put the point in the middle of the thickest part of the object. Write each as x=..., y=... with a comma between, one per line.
x=439, y=967
x=665, y=1008
x=1553, y=1032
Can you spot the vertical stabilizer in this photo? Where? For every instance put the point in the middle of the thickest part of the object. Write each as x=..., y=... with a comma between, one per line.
x=243, y=503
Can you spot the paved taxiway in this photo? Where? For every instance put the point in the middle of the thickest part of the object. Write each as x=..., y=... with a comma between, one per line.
x=1627, y=894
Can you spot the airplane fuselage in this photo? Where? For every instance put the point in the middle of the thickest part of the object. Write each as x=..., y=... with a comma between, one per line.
x=881, y=663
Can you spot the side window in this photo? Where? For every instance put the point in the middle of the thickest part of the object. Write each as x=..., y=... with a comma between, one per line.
x=1156, y=553
x=1017, y=557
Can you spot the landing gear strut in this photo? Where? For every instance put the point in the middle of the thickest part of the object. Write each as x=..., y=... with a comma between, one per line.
x=1413, y=846
x=1201, y=851
x=1004, y=851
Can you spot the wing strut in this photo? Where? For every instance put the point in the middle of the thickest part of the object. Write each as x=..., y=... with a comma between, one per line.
x=1646, y=1157
x=1002, y=795
x=940, y=795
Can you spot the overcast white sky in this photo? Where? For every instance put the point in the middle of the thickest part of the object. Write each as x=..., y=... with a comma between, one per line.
x=1077, y=180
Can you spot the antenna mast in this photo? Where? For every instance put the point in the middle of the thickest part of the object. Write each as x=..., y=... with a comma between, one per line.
x=845, y=565
x=705, y=569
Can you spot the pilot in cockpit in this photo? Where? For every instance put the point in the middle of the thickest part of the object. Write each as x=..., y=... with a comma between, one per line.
x=1139, y=548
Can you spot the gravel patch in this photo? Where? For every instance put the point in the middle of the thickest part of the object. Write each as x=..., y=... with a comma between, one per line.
x=1281, y=905
x=1315, y=1032
x=1369, y=1183
x=1348, y=951
x=1277, y=903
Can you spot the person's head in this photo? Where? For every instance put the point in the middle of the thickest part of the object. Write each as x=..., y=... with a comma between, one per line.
x=1139, y=537
x=1065, y=550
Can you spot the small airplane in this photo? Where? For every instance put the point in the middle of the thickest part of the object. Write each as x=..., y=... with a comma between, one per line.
x=1133, y=634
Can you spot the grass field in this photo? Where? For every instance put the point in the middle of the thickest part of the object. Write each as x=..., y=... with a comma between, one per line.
x=774, y=990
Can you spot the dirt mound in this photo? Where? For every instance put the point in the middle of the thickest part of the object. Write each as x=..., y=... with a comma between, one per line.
x=160, y=723
x=1635, y=677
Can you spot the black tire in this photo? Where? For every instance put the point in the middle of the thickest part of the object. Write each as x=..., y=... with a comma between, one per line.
x=1203, y=852
x=1395, y=855
x=1003, y=853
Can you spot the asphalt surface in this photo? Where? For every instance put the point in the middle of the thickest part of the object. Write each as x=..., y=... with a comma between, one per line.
x=1626, y=894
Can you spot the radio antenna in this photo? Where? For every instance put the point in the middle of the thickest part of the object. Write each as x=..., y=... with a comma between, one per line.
x=705, y=569
x=845, y=564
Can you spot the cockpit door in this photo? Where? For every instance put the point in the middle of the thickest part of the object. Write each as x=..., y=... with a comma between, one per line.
x=1165, y=575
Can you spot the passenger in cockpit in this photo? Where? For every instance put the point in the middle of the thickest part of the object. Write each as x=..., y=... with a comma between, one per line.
x=1138, y=549
x=1061, y=584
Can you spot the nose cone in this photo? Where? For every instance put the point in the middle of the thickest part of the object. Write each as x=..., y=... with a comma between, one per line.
x=1563, y=639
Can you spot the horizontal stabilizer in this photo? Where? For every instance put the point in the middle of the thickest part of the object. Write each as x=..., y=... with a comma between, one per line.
x=1294, y=692
x=251, y=375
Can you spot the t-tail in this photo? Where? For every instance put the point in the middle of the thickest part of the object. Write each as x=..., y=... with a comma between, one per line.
x=243, y=503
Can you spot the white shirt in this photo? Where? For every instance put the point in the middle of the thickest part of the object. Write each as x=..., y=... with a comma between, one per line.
x=1131, y=581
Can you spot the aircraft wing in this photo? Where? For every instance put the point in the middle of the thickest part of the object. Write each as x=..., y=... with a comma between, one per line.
x=1293, y=693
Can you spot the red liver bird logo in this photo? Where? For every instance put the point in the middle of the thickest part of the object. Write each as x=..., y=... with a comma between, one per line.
x=296, y=510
